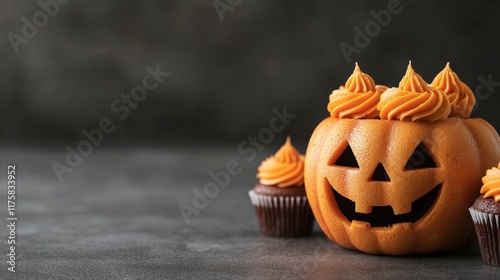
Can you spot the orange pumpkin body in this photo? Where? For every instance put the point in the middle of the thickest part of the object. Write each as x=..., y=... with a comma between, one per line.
x=397, y=187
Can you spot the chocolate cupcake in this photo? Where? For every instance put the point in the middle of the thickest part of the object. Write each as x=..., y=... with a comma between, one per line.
x=279, y=198
x=485, y=213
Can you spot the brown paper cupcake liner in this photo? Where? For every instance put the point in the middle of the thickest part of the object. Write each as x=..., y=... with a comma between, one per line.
x=283, y=216
x=488, y=234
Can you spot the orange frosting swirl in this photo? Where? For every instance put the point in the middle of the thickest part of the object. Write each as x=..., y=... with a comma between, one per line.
x=284, y=169
x=358, y=99
x=491, y=183
x=414, y=100
x=461, y=98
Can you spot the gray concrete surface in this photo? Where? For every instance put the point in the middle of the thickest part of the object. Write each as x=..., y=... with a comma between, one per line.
x=116, y=216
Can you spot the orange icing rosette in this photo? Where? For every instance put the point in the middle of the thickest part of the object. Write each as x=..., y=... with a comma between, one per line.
x=358, y=99
x=491, y=183
x=414, y=100
x=283, y=169
x=461, y=98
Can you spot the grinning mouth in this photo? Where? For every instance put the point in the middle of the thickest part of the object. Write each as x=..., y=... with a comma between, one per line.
x=383, y=216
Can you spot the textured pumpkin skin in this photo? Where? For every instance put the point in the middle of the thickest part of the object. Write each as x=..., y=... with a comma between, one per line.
x=462, y=150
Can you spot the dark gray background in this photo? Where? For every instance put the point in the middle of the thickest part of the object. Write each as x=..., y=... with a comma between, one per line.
x=116, y=214
x=225, y=76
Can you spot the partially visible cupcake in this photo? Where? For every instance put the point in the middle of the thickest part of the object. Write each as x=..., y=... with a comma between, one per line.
x=279, y=198
x=485, y=213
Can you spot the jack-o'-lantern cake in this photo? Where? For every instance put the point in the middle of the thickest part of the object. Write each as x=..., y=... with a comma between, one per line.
x=394, y=170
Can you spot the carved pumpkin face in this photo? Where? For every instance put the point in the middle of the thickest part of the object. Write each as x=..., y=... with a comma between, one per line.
x=393, y=187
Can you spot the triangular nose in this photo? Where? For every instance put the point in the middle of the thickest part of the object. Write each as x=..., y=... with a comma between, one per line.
x=380, y=174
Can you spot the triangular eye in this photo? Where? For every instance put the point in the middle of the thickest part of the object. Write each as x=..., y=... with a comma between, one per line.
x=380, y=174
x=421, y=158
x=347, y=159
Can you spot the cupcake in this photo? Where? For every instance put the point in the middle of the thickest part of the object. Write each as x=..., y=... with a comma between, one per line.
x=279, y=198
x=485, y=213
